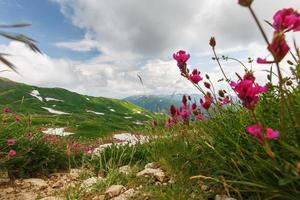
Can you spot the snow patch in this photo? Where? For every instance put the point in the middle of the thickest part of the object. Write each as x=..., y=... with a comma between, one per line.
x=97, y=113
x=138, y=123
x=122, y=139
x=55, y=111
x=53, y=99
x=57, y=131
x=112, y=110
x=137, y=111
x=36, y=94
x=87, y=98
x=127, y=117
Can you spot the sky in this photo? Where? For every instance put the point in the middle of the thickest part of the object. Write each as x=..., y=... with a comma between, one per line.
x=100, y=47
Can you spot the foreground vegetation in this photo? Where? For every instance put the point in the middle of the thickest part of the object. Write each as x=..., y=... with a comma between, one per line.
x=246, y=149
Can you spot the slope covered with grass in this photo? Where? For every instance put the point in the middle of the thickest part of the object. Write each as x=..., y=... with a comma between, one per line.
x=84, y=115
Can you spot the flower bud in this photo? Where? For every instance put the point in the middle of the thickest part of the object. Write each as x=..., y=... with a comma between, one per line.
x=221, y=93
x=212, y=42
x=207, y=85
x=206, y=75
x=289, y=83
x=245, y=3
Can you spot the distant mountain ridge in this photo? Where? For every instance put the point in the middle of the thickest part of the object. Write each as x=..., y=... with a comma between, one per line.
x=84, y=115
x=159, y=103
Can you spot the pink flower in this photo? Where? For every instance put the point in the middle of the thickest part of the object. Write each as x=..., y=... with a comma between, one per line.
x=207, y=85
x=169, y=123
x=173, y=110
x=194, y=106
x=184, y=100
x=206, y=103
x=195, y=76
x=18, y=118
x=12, y=153
x=200, y=116
x=225, y=101
x=279, y=48
x=181, y=57
x=11, y=141
x=256, y=131
x=185, y=113
x=248, y=91
x=272, y=134
x=6, y=110
x=263, y=61
x=29, y=122
x=286, y=20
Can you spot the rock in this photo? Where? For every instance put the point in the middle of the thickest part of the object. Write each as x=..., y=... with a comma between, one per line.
x=157, y=173
x=204, y=187
x=36, y=182
x=152, y=165
x=4, y=181
x=58, y=184
x=90, y=181
x=115, y=190
x=52, y=198
x=28, y=196
x=9, y=190
x=99, y=197
x=75, y=173
x=223, y=197
x=125, y=169
x=126, y=195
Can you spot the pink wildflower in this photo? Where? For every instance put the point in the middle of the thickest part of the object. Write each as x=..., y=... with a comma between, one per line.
x=279, y=48
x=286, y=19
x=225, y=101
x=181, y=57
x=6, y=110
x=248, y=91
x=169, y=123
x=194, y=106
x=256, y=131
x=11, y=141
x=18, y=118
x=195, y=76
x=272, y=134
x=200, y=116
x=206, y=103
x=12, y=153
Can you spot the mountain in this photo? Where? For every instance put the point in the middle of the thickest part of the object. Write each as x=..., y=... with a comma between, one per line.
x=86, y=116
x=159, y=103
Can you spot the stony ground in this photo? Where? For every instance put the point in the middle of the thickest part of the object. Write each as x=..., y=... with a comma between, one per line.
x=82, y=182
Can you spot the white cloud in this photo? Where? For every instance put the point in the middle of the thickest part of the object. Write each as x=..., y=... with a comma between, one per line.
x=137, y=37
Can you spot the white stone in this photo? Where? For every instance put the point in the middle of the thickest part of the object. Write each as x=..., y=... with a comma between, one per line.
x=36, y=182
x=115, y=190
x=90, y=181
x=125, y=169
x=126, y=195
x=157, y=173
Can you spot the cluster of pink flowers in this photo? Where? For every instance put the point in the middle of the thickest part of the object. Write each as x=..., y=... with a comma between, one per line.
x=184, y=113
x=195, y=76
x=11, y=152
x=284, y=20
x=256, y=130
x=248, y=91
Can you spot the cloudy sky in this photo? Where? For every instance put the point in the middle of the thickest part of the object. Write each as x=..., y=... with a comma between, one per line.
x=99, y=47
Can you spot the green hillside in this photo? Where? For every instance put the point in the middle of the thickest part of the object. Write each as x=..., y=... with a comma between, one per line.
x=83, y=115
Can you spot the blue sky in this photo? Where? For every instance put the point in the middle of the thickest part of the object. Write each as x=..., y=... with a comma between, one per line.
x=49, y=26
x=99, y=47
